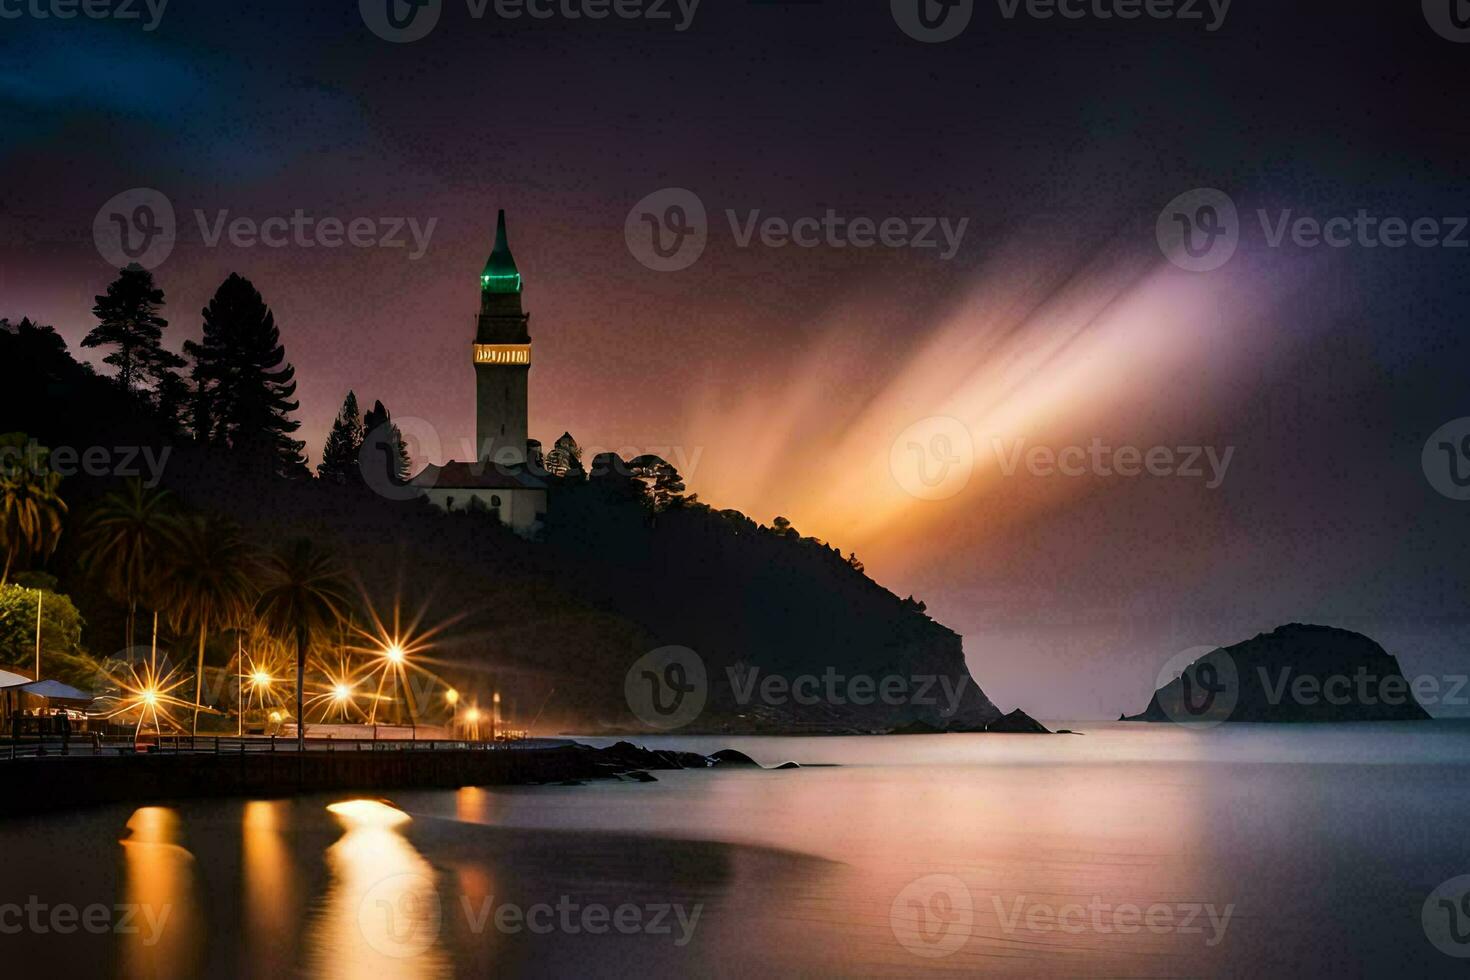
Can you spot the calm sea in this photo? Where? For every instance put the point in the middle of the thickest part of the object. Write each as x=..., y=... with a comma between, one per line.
x=1132, y=850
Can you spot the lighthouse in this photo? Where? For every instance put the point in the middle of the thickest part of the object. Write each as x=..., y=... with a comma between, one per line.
x=502, y=358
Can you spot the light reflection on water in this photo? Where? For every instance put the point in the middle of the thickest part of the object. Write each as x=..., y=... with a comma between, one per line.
x=382, y=915
x=805, y=871
x=162, y=938
x=271, y=905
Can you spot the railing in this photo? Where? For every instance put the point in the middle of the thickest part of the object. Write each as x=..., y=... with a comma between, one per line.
x=85, y=745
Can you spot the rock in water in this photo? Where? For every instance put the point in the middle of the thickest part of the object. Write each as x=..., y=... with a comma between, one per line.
x=1296, y=673
x=730, y=757
x=1017, y=722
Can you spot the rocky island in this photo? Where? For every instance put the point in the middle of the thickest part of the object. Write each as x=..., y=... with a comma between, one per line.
x=1296, y=673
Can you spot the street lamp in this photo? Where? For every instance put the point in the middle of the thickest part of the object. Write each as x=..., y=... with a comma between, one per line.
x=494, y=716
x=342, y=693
x=451, y=697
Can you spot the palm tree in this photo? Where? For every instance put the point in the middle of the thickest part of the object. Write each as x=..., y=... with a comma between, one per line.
x=210, y=580
x=30, y=508
x=305, y=594
x=124, y=540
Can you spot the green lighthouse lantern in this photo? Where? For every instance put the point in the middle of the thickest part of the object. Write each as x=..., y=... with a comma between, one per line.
x=501, y=274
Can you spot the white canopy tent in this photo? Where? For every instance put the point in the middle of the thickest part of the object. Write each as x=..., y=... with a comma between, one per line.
x=57, y=691
x=7, y=680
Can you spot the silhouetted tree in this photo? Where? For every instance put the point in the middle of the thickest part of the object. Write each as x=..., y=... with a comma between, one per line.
x=344, y=443
x=380, y=434
x=305, y=595
x=173, y=397
x=208, y=582
x=128, y=322
x=124, y=541
x=30, y=507
x=243, y=383
x=665, y=485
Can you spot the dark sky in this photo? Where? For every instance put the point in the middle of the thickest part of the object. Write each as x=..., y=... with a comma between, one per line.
x=779, y=378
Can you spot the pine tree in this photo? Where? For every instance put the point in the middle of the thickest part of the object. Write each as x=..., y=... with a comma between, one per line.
x=668, y=487
x=344, y=443
x=565, y=458
x=665, y=485
x=243, y=383
x=381, y=434
x=128, y=321
x=172, y=399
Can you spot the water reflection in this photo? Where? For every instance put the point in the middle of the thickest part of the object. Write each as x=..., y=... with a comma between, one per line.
x=270, y=904
x=382, y=916
x=161, y=938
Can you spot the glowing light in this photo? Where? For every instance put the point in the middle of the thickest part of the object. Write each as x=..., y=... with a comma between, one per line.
x=502, y=353
x=452, y=696
x=275, y=717
x=501, y=283
x=368, y=813
x=473, y=715
x=148, y=693
x=394, y=653
x=341, y=692
x=261, y=679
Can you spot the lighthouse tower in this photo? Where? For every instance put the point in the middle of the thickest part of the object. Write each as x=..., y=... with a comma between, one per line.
x=502, y=359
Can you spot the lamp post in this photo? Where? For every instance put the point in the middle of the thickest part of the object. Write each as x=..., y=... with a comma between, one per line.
x=451, y=696
x=39, y=597
x=494, y=716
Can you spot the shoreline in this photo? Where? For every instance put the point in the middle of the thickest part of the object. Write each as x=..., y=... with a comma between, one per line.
x=39, y=785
